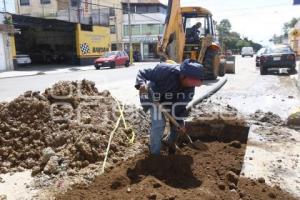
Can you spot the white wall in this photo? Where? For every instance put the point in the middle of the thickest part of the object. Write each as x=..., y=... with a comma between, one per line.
x=2, y=54
x=152, y=18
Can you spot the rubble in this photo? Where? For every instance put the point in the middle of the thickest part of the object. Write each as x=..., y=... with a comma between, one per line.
x=267, y=117
x=66, y=127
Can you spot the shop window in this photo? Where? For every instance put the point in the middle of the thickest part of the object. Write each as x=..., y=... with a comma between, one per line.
x=112, y=12
x=24, y=3
x=85, y=27
x=134, y=28
x=114, y=47
x=162, y=10
x=112, y=29
x=153, y=9
x=161, y=28
x=45, y=1
x=74, y=3
x=125, y=8
x=150, y=29
x=141, y=9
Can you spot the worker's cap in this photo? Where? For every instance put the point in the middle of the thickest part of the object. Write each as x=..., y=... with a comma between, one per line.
x=192, y=69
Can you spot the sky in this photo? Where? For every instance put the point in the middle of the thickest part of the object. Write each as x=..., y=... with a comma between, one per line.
x=258, y=20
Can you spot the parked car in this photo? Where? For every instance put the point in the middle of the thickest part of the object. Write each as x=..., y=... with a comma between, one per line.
x=228, y=52
x=23, y=59
x=280, y=56
x=259, y=54
x=112, y=59
x=247, y=51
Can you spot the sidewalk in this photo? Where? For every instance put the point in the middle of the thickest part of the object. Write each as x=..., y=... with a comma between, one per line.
x=42, y=70
x=296, y=77
x=55, y=69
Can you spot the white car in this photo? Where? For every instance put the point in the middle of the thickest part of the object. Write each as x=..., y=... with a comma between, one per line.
x=247, y=51
x=23, y=59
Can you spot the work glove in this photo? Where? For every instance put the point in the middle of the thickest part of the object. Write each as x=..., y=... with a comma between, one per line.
x=143, y=89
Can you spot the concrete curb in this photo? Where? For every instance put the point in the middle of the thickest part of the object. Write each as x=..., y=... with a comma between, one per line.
x=18, y=76
x=296, y=78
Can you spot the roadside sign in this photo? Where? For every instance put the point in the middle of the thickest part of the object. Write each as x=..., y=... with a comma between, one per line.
x=296, y=2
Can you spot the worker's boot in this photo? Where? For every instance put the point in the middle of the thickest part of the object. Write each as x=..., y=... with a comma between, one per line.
x=171, y=146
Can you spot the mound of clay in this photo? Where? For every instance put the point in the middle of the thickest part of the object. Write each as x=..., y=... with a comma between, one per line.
x=267, y=117
x=68, y=126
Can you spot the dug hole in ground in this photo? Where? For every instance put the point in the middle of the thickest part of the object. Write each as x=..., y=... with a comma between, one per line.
x=53, y=145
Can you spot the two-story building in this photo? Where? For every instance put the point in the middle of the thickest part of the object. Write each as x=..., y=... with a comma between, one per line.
x=294, y=38
x=83, y=11
x=147, y=24
x=62, y=31
x=147, y=19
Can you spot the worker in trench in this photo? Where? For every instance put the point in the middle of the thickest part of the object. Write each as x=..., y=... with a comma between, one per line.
x=173, y=86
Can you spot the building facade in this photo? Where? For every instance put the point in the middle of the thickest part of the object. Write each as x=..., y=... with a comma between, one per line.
x=147, y=19
x=77, y=30
x=294, y=38
x=147, y=24
x=96, y=12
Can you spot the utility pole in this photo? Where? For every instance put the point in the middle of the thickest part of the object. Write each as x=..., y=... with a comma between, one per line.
x=79, y=10
x=130, y=33
x=4, y=5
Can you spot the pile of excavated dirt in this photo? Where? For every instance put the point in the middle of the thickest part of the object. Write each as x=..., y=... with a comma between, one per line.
x=66, y=129
x=267, y=117
x=205, y=175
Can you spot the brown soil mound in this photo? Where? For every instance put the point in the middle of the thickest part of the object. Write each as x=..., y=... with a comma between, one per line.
x=205, y=175
x=267, y=117
x=66, y=127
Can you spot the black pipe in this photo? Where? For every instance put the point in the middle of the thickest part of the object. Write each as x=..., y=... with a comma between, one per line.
x=208, y=94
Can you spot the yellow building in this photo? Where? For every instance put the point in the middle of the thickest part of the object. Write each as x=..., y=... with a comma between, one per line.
x=294, y=38
x=80, y=28
x=115, y=20
x=99, y=12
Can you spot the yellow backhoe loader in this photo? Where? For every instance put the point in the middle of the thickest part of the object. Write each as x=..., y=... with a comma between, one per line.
x=190, y=33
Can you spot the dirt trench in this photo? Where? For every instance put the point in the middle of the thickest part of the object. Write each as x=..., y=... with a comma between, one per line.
x=206, y=175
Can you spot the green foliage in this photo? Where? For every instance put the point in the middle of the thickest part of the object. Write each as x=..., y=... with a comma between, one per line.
x=288, y=25
x=232, y=40
x=8, y=20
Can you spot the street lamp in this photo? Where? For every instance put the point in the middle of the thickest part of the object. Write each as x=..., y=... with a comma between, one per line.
x=130, y=33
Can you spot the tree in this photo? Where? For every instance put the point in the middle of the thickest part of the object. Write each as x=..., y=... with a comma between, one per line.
x=288, y=25
x=232, y=40
x=224, y=29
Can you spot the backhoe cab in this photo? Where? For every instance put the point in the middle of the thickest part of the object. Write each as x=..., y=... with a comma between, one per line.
x=190, y=33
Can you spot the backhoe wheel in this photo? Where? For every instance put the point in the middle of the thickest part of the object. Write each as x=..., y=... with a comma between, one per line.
x=222, y=69
x=212, y=64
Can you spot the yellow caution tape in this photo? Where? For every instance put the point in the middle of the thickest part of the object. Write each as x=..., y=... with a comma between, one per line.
x=109, y=143
x=121, y=117
x=131, y=141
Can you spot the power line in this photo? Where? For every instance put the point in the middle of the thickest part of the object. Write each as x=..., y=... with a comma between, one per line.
x=116, y=8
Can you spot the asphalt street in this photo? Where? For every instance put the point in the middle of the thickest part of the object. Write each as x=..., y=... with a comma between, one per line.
x=246, y=90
